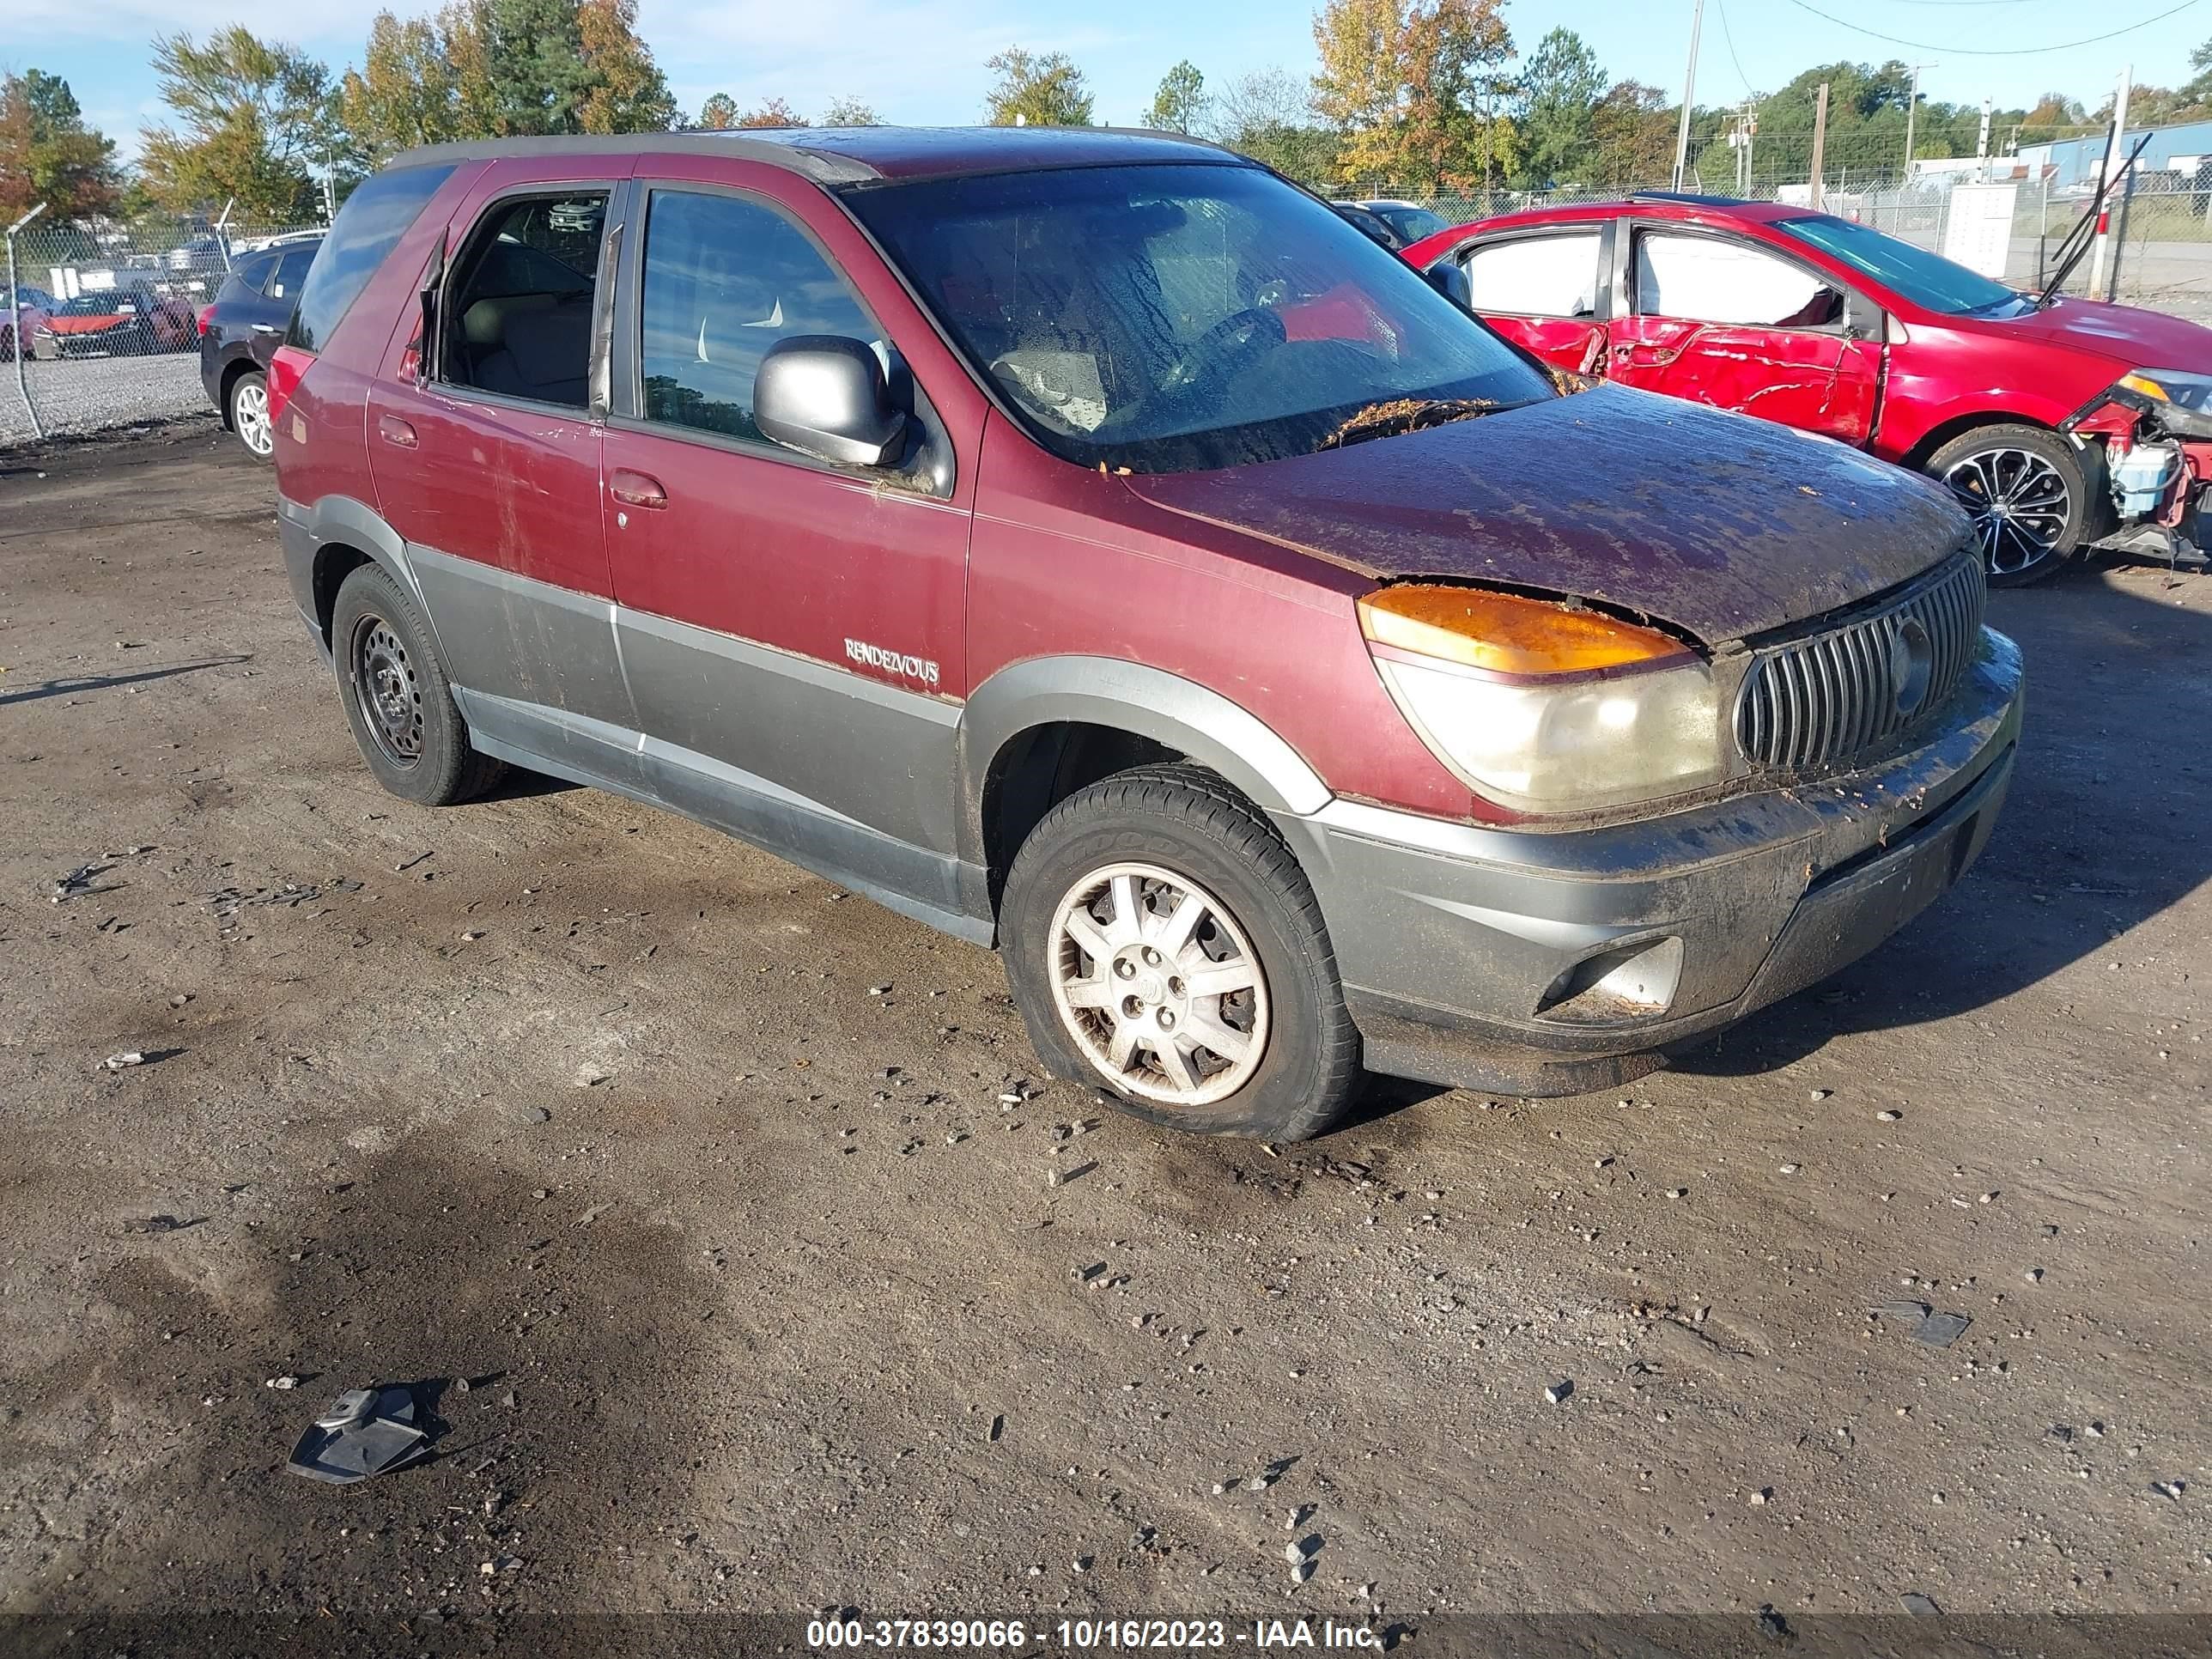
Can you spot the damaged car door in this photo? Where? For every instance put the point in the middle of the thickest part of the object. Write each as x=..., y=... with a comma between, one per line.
x=1543, y=292
x=1718, y=321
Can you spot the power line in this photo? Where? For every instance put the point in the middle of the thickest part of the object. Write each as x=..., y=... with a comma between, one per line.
x=1993, y=51
x=1729, y=35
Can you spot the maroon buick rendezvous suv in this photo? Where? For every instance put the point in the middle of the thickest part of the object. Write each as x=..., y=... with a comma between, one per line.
x=1088, y=544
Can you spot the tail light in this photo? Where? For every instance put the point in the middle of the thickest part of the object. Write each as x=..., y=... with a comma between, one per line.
x=286, y=369
x=206, y=317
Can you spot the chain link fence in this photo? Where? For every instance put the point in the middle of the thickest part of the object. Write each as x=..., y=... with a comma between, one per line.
x=108, y=320
x=109, y=314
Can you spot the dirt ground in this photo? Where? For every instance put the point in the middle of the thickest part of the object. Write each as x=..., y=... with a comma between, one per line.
x=762, y=1302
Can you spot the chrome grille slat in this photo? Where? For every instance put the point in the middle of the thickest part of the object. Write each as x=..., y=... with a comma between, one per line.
x=1823, y=702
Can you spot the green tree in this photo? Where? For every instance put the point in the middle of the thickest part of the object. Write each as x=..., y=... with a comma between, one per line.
x=534, y=58
x=1631, y=135
x=1179, y=104
x=719, y=113
x=255, y=119
x=48, y=155
x=625, y=90
x=774, y=113
x=1559, y=92
x=1417, y=88
x=407, y=91
x=850, y=113
x=1048, y=91
x=1269, y=115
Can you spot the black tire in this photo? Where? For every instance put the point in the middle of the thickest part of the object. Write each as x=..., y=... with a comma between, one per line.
x=379, y=636
x=8, y=345
x=251, y=389
x=2005, y=548
x=1184, y=820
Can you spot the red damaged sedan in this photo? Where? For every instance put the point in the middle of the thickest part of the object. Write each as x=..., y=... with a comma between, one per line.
x=2058, y=422
x=133, y=321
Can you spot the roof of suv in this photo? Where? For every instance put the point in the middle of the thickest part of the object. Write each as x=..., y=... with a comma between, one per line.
x=864, y=154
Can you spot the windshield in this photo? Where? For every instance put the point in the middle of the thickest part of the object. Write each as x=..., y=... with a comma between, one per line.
x=1180, y=318
x=1926, y=279
x=1409, y=222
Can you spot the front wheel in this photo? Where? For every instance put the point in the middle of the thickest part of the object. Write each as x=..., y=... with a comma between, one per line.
x=249, y=414
x=1164, y=946
x=2026, y=491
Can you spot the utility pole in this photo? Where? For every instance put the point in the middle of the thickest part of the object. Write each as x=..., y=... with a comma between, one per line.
x=2115, y=152
x=15, y=325
x=1912, y=109
x=1820, y=141
x=1689, y=92
x=1982, y=145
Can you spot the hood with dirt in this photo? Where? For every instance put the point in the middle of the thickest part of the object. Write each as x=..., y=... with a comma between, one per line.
x=1721, y=525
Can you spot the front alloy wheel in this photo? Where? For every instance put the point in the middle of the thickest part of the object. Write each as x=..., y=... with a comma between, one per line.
x=1158, y=985
x=2024, y=490
x=1165, y=948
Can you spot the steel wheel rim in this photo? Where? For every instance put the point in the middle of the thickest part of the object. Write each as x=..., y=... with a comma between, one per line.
x=249, y=413
x=1158, y=985
x=386, y=690
x=2020, y=504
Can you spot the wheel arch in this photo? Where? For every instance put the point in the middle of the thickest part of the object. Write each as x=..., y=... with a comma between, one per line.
x=232, y=371
x=1958, y=426
x=344, y=535
x=1018, y=725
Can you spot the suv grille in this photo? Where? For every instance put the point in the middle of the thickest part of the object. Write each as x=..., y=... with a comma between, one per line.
x=1822, y=704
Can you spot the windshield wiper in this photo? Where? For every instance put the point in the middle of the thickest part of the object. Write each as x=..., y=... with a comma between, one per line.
x=1403, y=415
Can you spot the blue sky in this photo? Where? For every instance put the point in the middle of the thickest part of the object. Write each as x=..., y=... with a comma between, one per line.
x=923, y=60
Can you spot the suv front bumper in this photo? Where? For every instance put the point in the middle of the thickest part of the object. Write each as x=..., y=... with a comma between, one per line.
x=1470, y=955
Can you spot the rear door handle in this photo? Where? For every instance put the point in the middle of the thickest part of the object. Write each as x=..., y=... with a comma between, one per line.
x=636, y=488
x=393, y=430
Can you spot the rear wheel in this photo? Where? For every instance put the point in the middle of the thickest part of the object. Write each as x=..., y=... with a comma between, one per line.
x=1164, y=946
x=249, y=414
x=397, y=696
x=2026, y=491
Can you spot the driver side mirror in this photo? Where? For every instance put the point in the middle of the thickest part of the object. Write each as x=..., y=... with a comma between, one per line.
x=824, y=395
x=1451, y=280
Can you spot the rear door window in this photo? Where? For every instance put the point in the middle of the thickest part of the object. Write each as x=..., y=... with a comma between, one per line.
x=518, y=312
x=1537, y=276
x=725, y=278
x=370, y=224
x=1714, y=279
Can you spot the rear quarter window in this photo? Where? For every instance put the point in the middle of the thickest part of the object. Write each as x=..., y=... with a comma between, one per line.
x=375, y=217
x=246, y=276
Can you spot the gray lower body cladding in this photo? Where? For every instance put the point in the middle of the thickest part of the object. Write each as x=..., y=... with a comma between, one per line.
x=1472, y=956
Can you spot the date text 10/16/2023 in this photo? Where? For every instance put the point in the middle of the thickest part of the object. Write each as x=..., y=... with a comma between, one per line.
x=1160, y=1635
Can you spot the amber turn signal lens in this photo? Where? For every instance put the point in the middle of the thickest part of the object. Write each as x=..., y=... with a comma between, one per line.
x=2145, y=387
x=1506, y=633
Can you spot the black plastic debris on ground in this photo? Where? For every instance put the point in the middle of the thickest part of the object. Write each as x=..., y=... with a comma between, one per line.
x=362, y=1433
x=1923, y=1323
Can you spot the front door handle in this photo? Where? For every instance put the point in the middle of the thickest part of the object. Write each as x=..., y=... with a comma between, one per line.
x=636, y=488
x=268, y=328
x=393, y=430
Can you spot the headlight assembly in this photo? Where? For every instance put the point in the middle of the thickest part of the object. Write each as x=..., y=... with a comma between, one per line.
x=1543, y=707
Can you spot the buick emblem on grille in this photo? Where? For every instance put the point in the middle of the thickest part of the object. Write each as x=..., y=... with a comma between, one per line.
x=1910, y=662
